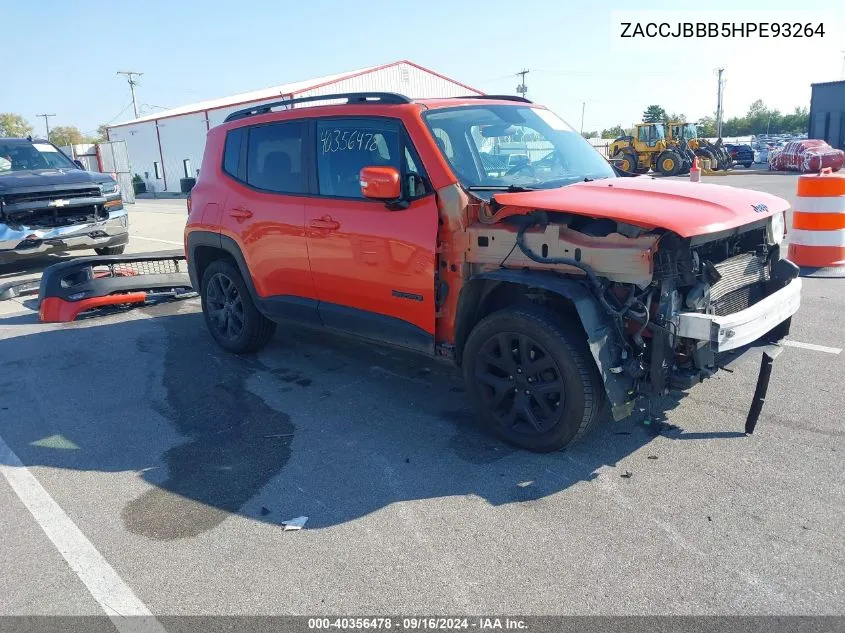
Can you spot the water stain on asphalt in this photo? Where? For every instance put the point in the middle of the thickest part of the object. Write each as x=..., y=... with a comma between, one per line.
x=227, y=458
x=290, y=375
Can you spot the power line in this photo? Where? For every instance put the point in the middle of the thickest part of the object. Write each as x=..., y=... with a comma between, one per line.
x=46, y=123
x=152, y=105
x=132, y=83
x=591, y=73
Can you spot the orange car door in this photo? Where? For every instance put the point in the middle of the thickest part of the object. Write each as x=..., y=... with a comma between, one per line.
x=265, y=212
x=373, y=266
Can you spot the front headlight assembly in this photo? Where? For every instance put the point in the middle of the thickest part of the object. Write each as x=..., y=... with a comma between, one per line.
x=107, y=188
x=776, y=229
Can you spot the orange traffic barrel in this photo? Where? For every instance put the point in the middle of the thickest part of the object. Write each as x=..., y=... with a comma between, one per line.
x=817, y=239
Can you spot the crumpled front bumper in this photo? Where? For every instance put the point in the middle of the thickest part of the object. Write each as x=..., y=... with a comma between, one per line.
x=27, y=242
x=733, y=331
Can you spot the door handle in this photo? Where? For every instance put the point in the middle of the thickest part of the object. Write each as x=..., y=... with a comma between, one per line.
x=325, y=223
x=240, y=213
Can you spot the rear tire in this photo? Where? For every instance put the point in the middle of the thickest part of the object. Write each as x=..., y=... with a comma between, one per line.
x=111, y=250
x=531, y=379
x=230, y=314
x=746, y=165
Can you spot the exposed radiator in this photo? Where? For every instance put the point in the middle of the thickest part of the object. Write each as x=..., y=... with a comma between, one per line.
x=738, y=272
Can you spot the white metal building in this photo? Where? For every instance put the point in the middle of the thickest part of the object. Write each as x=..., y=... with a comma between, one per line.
x=167, y=146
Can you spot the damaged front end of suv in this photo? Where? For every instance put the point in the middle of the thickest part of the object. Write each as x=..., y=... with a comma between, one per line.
x=669, y=295
x=670, y=280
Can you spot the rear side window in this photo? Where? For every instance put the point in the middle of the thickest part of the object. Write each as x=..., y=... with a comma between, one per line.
x=345, y=146
x=232, y=152
x=274, y=157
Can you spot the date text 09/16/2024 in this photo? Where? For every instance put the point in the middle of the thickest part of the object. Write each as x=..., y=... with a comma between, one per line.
x=417, y=623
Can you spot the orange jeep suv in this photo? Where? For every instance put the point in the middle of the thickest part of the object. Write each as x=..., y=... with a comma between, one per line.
x=487, y=232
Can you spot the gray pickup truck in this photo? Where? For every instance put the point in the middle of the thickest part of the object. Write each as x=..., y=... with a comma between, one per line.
x=49, y=203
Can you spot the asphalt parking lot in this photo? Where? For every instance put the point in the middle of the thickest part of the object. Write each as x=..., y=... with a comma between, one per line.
x=177, y=463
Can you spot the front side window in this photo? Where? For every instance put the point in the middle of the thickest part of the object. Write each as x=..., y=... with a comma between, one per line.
x=24, y=156
x=274, y=157
x=513, y=145
x=345, y=146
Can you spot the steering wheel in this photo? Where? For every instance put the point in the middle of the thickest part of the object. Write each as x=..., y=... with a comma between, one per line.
x=518, y=168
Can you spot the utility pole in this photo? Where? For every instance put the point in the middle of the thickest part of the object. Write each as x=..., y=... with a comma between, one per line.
x=46, y=123
x=132, y=84
x=719, y=104
x=522, y=89
x=583, y=107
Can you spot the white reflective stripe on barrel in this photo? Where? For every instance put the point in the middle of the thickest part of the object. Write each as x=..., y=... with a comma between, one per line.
x=832, y=204
x=817, y=238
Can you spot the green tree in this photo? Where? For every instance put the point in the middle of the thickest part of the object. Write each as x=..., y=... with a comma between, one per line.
x=679, y=118
x=66, y=135
x=654, y=114
x=736, y=126
x=797, y=121
x=706, y=126
x=102, y=134
x=592, y=134
x=14, y=125
x=613, y=132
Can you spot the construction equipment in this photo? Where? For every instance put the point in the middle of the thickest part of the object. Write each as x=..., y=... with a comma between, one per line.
x=684, y=136
x=646, y=149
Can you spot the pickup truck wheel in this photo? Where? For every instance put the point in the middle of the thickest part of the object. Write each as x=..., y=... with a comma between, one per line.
x=111, y=250
x=231, y=316
x=531, y=380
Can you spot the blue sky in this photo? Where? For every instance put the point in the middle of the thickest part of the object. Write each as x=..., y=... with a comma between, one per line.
x=65, y=60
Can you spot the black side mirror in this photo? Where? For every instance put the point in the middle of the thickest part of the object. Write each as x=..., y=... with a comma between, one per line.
x=79, y=164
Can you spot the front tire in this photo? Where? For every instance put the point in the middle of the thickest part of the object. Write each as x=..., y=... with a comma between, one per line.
x=230, y=314
x=531, y=380
x=668, y=163
x=627, y=160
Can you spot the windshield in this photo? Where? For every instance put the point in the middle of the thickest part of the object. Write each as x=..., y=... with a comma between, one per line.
x=20, y=156
x=513, y=146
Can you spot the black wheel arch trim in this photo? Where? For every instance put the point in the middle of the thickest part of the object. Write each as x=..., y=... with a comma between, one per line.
x=221, y=242
x=601, y=336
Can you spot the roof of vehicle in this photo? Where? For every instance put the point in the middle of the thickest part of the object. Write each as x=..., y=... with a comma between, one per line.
x=18, y=139
x=451, y=102
x=368, y=100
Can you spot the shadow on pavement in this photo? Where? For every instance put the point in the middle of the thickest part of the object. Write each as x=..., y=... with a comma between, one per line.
x=31, y=266
x=316, y=425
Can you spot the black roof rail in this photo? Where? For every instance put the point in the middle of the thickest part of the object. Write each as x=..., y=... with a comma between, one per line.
x=351, y=97
x=496, y=97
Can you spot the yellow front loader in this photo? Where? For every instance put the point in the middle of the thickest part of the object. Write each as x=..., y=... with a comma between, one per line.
x=684, y=136
x=646, y=149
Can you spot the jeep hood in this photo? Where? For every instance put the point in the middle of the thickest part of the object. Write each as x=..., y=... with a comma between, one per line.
x=687, y=208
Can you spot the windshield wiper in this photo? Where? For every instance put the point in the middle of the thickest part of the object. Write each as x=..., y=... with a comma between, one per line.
x=505, y=188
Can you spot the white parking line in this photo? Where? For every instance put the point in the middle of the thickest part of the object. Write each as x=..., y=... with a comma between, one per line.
x=155, y=239
x=812, y=346
x=124, y=608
